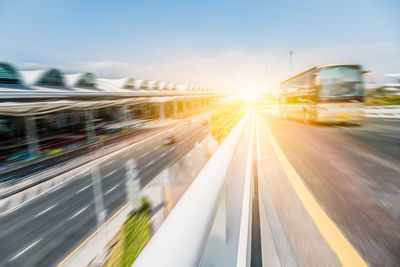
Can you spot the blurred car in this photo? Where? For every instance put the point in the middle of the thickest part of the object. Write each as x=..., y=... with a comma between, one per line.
x=205, y=122
x=170, y=140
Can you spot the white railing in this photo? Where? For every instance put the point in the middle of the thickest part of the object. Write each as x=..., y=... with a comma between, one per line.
x=382, y=111
x=244, y=245
x=181, y=238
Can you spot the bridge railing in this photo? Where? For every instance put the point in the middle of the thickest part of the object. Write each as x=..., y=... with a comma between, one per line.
x=183, y=237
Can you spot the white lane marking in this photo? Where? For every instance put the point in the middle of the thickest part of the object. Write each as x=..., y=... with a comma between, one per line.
x=78, y=212
x=41, y=193
x=145, y=154
x=82, y=189
x=111, y=189
x=139, y=144
x=343, y=127
x=25, y=249
x=44, y=211
x=110, y=162
x=3, y=203
x=111, y=173
x=35, y=168
x=151, y=162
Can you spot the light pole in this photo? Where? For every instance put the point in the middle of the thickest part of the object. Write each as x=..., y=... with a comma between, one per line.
x=291, y=62
x=95, y=174
x=132, y=183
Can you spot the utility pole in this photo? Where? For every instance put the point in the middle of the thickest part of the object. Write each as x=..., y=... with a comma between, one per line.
x=291, y=62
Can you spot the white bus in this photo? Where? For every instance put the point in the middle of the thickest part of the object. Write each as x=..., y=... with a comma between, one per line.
x=326, y=93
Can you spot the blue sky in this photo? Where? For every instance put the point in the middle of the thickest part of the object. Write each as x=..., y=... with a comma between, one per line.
x=223, y=43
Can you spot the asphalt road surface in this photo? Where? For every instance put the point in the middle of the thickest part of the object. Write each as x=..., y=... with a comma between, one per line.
x=354, y=173
x=43, y=231
x=25, y=171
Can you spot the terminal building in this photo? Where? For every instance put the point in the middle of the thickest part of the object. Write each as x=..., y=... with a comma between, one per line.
x=46, y=109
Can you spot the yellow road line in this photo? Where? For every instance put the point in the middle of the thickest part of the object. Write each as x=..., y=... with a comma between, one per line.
x=90, y=237
x=345, y=252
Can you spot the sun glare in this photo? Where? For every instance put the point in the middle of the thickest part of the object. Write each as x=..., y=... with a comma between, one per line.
x=252, y=94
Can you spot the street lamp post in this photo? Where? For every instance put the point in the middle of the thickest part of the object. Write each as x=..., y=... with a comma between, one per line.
x=95, y=174
x=132, y=183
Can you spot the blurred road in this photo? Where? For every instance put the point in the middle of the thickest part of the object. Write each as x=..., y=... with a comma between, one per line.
x=61, y=160
x=43, y=231
x=353, y=171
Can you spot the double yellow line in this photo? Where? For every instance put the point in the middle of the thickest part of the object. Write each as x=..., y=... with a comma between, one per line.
x=345, y=252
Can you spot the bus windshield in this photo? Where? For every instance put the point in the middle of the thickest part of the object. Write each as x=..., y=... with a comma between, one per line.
x=341, y=81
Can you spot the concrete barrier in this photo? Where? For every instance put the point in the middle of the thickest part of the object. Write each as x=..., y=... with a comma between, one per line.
x=382, y=111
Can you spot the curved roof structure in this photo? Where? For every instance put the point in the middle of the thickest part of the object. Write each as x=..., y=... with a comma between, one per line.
x=53, y=84
x=141, y=85
x=190, y=87
x=8, y=75
x=153, y=85
x=116, y=84
x=172, y=86
x=81, y=80
x=163, y=85
x=49, y=77
x=182, y=87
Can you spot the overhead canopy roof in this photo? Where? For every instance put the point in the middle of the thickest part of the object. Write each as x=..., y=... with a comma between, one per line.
x=40, y=107
x=37, y=108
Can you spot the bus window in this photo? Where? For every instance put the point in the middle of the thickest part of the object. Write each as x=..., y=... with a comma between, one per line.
x=340, y=81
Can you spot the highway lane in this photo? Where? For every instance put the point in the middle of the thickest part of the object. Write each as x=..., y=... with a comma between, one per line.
x=70, y=158
x=46, y=229
x=381, y=134
x=354, y=174
x=57, y=161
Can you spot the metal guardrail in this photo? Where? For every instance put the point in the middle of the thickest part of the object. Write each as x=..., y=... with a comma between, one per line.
x=182, y=237
x=382, y=111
